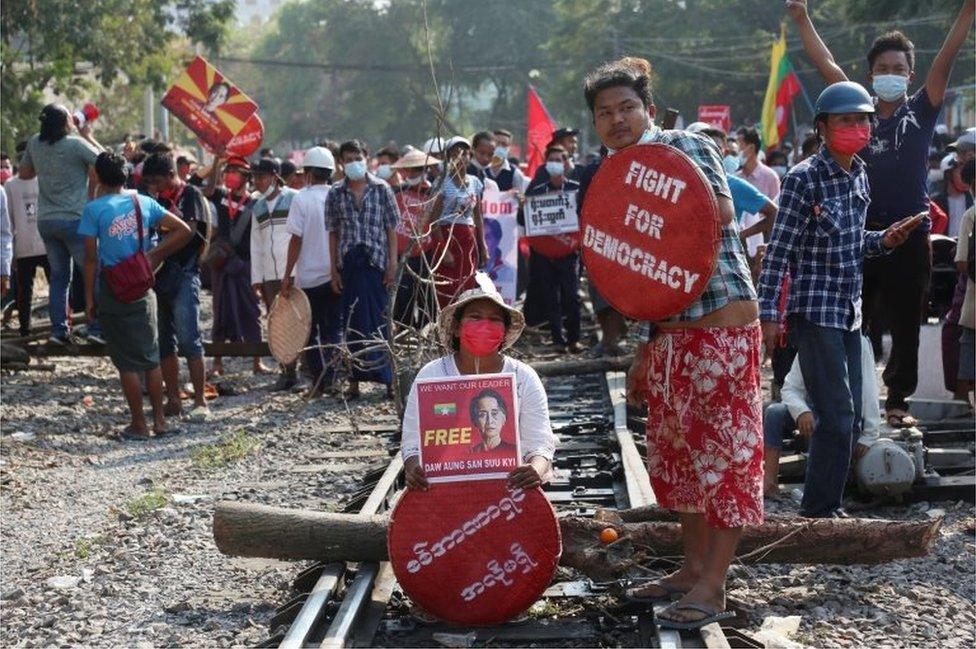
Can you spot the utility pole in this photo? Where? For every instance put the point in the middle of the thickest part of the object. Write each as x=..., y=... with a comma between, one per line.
x=149, y=110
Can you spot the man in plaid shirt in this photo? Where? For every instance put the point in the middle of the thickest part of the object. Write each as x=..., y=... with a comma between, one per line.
x=698, y=373
x=361, y=215
x=819, y=238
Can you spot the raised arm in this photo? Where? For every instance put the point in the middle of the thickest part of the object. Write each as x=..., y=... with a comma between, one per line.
x=938, y=76
x=814, y=46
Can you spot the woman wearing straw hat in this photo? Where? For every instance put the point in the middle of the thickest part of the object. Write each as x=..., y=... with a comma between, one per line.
x=476, y=328
x=459, y=229
x=414, y=302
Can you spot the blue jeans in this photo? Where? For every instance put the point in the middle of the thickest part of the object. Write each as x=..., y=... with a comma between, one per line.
x=179, y=314
x=777, y=425
x=830, y=360
x=63, y=243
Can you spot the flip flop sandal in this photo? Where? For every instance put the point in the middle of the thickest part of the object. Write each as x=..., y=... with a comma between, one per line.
x=692, y=625
x=669, y=594
x=128, y=434
x=900, y=419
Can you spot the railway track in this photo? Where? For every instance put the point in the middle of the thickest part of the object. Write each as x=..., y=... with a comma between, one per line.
x=599, y=464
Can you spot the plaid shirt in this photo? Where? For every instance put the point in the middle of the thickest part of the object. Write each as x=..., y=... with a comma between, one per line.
x=819, y=239
x=731, y=280
x=365, y=225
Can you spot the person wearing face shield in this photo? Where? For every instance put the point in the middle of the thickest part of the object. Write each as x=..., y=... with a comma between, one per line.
x=896, y=285
x=819, y=238
x=236, y=314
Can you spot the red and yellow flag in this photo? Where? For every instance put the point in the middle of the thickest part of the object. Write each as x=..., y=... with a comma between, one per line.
x=783, y=86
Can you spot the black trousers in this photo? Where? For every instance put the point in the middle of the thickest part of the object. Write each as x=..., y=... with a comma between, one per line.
x=559, y=281
x=895, y=292
x=26, y=268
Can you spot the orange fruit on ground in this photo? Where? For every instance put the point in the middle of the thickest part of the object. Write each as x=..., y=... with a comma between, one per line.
x=608, y=536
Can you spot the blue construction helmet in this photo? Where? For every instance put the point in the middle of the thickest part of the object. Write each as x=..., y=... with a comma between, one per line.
x=843, y=97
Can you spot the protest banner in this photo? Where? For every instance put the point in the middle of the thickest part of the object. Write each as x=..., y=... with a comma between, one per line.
x=551, y=213
x=208, y=103
x=474, y=553
x=719, y=116
x=500, y=213
x=244, y=143
x=650, y=231
x=468, y=427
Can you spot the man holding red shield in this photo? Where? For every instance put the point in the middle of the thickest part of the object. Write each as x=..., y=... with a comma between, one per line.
x=698, y=371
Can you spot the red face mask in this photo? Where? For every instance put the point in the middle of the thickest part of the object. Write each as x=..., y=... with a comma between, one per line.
x=482, y=337
x=233, y=180
x=5, y=175
x=848, y=140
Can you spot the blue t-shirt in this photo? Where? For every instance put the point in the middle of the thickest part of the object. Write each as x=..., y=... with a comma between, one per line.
x=745, y=197
x=112, y=220
x=897, y=160
x=459, y=202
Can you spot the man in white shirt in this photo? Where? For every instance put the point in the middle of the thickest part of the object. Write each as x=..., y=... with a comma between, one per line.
x=269, y=243
x=794, y=413
x=308, y=256
x=508, y=177
x=29, y=252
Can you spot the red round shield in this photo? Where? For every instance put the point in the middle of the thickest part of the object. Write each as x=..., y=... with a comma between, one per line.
x=650, y=231
x=474, y=553
x=246, y=142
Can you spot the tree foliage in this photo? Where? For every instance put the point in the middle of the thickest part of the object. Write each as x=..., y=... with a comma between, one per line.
x=373, y=81
x=67, y=49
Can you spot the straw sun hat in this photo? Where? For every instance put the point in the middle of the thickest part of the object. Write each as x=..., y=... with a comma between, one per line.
x=485, y=290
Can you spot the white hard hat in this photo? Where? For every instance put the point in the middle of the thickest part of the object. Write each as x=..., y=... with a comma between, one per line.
x=433, y=145
x=457, y=139
x=319, y=157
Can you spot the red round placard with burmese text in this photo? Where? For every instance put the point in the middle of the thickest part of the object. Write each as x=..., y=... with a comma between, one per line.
x=650, y=231
x=474, y=553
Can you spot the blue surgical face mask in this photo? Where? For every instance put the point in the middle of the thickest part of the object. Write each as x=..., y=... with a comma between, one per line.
x=890, y=87
x=384, y=171
x=501, y=152
x=555, y=169
x=731, y=163
x=355, y=170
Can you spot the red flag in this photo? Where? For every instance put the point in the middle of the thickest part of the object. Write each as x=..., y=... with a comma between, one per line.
x=540, y=131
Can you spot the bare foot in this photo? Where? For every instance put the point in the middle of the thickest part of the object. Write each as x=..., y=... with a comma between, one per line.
x=677, y=583
x=173, y=408
x=217, y=369
x=260, y=368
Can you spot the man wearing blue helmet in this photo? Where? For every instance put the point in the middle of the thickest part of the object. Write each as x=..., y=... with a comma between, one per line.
x=895, y=286
x=819, y=238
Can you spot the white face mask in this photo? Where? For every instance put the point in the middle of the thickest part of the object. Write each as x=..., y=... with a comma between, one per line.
x=555, y=169
x=780, y=170
x=272, y=188
x=500, y=153
x=384, y=171
x=413, y=182
x=936, y=175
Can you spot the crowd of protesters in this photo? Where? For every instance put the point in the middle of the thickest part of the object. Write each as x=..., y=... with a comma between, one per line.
x=823, y=241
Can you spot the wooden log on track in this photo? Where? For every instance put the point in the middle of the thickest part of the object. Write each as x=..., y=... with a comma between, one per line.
x=209, y=349
x=250, y=530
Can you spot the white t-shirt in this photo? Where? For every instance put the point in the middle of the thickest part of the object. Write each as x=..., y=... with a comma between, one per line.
x=22, y=203
x=535, y=430
x=306, y=219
